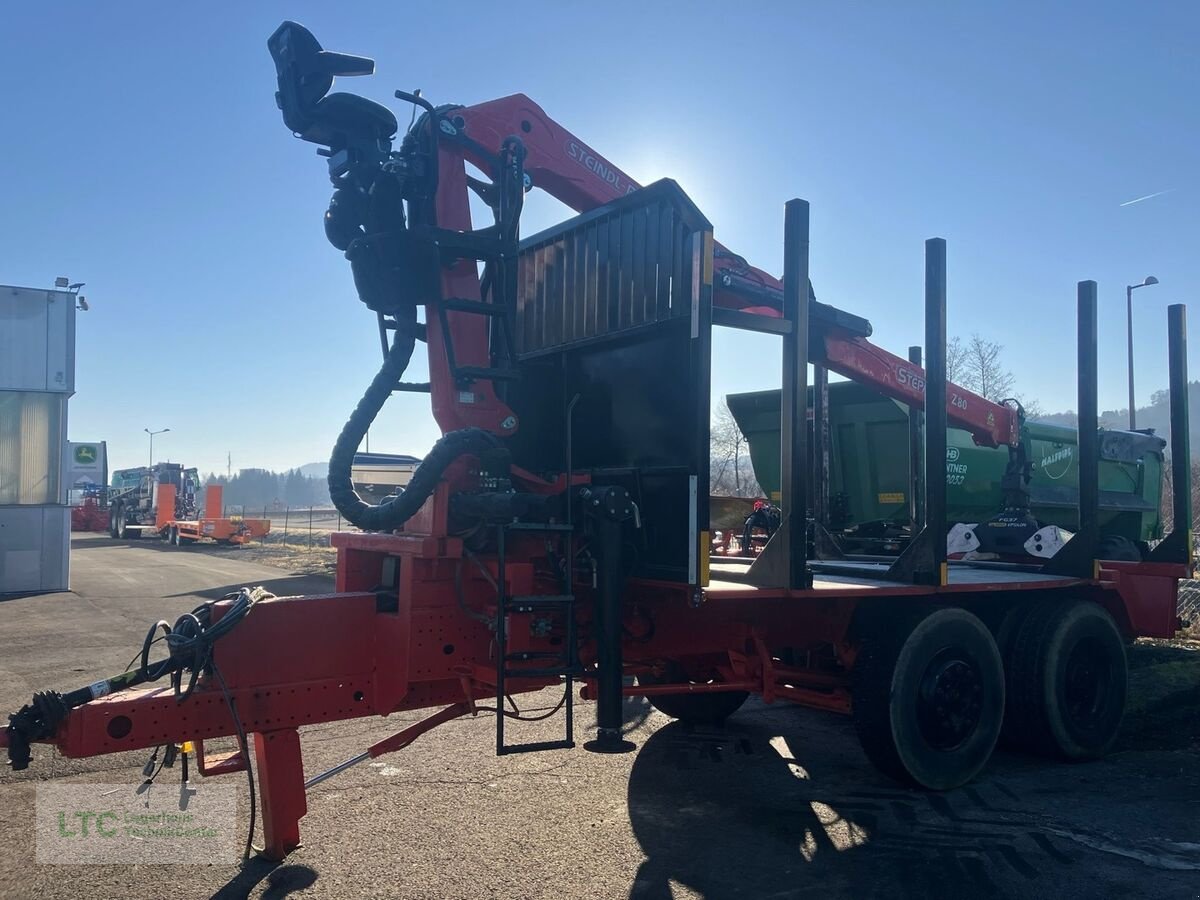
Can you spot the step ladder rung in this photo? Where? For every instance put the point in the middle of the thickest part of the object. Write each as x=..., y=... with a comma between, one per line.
x=535, y=746
x=560, y=665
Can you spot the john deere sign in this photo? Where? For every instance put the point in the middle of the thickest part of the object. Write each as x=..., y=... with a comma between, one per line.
x=87, y=464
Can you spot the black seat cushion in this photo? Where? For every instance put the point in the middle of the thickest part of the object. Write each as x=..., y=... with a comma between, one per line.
x=352, y=115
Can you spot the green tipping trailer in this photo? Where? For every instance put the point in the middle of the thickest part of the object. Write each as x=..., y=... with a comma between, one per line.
x=869, y=473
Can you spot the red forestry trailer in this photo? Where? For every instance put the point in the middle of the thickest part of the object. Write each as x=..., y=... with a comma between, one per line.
x=556, y=536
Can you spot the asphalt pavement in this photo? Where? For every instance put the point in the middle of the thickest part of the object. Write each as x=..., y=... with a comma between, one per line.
x=779, y=803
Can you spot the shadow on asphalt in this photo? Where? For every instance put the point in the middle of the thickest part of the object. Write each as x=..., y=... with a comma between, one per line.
x=779, y=806
x=281, y=880
x=151, y=543
x=720, y=811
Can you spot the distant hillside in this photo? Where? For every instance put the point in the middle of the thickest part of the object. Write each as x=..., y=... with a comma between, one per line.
x=1157, y=416
x=315, y=470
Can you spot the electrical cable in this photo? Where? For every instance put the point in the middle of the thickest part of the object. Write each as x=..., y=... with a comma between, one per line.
x=460, y=597
x=482, y=569
x=244, y=748
x=523, y=718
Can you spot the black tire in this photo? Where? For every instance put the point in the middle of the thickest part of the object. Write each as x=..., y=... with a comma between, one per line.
x=695, y=709
x=173, y=536
x=112, y=521
x=928, y=698
x=1067, y=680
x=1116, y=547
x=122, y=531
x=1006, y=625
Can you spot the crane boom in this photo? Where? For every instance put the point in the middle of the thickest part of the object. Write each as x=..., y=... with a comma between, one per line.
x=568, y=169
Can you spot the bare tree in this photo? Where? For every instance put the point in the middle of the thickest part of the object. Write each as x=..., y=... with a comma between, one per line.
x=729, y=470
x=955, y=361
x=983, y=371
x=977, y=365
x=1166, y=509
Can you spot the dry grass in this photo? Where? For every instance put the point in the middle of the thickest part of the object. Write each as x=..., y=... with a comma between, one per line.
x=298, y=558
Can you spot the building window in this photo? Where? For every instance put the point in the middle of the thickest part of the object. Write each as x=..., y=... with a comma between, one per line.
x=31, y=442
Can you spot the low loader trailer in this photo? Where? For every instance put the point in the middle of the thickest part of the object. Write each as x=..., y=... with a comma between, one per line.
x=557, y=535
x=211, y=525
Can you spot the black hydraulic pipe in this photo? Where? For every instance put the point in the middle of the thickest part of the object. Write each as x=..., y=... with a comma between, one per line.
x=935, y=406
x=916, y=505
x=393, y=513
x=1089, y=455
x=793, y=451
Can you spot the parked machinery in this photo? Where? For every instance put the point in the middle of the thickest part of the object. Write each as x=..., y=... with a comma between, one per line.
x=557, y=533
x=133, y=497
x=870, y=484
x=164, y=501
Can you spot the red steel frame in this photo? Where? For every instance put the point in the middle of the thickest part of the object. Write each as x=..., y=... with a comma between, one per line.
x=394, y=637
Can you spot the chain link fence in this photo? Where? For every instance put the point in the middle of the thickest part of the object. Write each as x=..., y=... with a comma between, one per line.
x=1189, y=601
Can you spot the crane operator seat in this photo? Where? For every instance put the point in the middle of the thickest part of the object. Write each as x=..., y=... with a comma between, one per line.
x=306, y=71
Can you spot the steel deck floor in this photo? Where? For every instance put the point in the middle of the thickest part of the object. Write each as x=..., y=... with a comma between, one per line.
x=729, y=576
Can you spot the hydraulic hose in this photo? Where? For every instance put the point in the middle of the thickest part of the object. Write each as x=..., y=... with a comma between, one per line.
x=393, y=513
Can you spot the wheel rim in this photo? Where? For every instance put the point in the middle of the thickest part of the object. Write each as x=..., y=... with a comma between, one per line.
x=1087, y=682
x=950, y=699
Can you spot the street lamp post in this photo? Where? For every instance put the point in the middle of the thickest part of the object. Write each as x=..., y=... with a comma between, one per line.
x=152, y=434
x=1129, y=289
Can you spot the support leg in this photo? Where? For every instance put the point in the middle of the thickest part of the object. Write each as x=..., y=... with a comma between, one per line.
x=281, y=787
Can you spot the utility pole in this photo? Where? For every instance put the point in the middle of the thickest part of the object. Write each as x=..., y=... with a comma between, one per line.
x=1129, y=289
x=228, y=465
x=152, y=434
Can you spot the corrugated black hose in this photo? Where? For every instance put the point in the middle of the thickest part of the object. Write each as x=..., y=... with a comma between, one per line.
x=393, y=513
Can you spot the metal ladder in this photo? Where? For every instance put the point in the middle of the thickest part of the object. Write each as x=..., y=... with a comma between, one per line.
x=564, y=664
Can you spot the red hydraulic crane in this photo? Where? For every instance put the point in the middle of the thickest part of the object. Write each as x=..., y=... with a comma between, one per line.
x=561, y=164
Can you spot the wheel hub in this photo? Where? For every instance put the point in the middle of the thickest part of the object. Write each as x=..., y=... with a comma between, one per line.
x=950, y=700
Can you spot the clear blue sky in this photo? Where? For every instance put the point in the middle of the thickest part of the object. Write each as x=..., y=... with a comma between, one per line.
x=144, y=155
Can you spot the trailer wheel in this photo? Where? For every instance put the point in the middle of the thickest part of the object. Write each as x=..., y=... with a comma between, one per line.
x=112, y=520
x=695, y=709
x=928, y=698
x=173, y=537
x=1067, y=679
x=122, y=531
